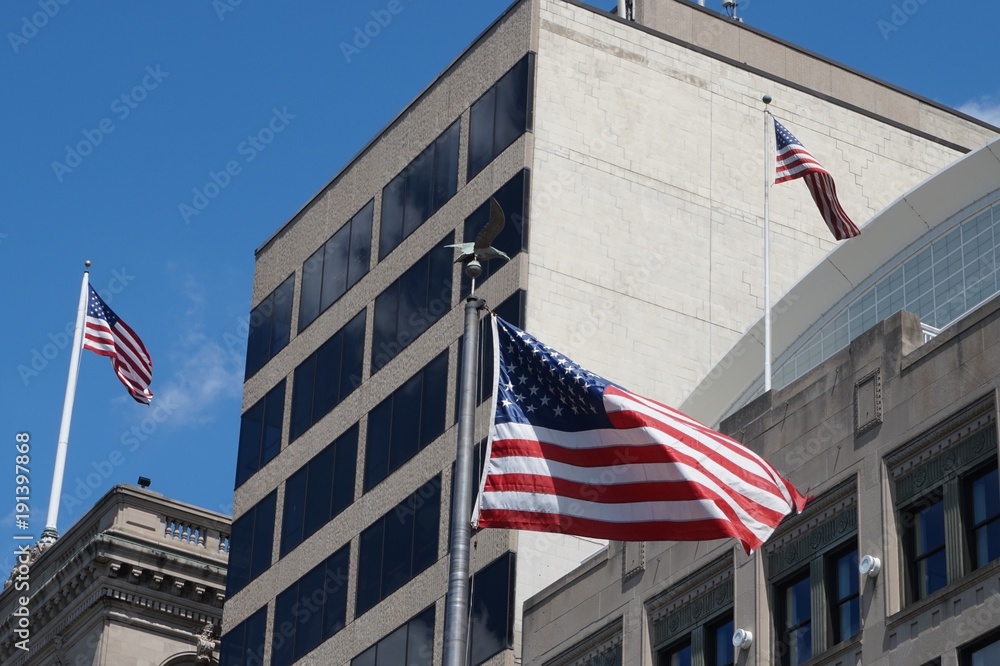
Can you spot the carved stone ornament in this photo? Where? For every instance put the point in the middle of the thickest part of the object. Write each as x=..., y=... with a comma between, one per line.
x=206, y=644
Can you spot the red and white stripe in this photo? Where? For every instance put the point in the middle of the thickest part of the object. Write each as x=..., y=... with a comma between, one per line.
x=797, y=162
x=128, y=355
x=658, y=475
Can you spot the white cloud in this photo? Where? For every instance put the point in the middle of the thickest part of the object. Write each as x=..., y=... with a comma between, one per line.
x=204, y=369
x=985, y=108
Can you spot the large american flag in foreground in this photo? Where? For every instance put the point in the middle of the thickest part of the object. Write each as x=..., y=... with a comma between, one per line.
x=572, y=453
x=108, y=335
x=794, y=161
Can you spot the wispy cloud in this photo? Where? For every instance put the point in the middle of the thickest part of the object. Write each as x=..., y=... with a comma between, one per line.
x=204, y=369
x=985, y=108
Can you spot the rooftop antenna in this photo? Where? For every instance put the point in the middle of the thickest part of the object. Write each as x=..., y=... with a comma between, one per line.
x=729, y=6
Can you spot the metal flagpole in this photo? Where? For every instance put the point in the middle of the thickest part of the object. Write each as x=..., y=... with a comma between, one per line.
x=456, y=634
x=768, y=176
x=50, y=533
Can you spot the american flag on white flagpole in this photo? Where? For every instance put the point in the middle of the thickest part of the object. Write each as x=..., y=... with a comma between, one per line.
x=106, y=334
x=573, y=453
x=794, y=161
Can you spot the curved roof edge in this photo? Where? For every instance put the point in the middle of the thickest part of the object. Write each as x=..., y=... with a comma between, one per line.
x=852, y=266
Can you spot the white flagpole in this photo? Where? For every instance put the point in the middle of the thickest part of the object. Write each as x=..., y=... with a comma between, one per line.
x=50, y=532
x=768, y=177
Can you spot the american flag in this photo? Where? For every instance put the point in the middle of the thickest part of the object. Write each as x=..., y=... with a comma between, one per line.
x=794, y=161
x=108, y=335
x=572, y=453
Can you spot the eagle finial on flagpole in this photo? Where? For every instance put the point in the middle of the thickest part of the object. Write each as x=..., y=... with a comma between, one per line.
x=472, y=254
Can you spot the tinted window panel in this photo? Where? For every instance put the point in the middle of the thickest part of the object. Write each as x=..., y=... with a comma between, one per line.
x=270, y=325
x=318, y=490
x=427, y=502
x=294, y=511
x=446, y=166
x=435, y=393
x=393, y=204
x=260, y=433
x=398, y=551
x=321, y=381
x=335, y=591
x=283, y=643
x=370, y=567
x=263, y=536
x=336, y=266
x=481, y=121
x=377, y=449
x=251, y=540
x=409, y=306
x=405, y=423
x=361, y=244
x=392, y=648
x=344, y=471
x=491, y=608
x=418, y=192
x=248, y=456
x=337, y=255
x=312, y=287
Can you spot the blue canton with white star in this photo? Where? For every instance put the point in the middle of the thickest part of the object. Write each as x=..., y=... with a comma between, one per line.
x=783, y=137
x=539, y=386
x=97, y=308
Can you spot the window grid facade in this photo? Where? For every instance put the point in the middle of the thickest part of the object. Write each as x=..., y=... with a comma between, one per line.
x=936, y=479
x=811, y=568
x=940, y=282
x=270, y=326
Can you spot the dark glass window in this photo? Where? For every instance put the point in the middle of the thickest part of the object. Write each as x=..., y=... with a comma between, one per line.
x=243, y=645
x=513, y=198
x=425, y=185
x=328, y=376
x=411, y=304
x=250, y=544
x=492, y=608
x=410, y=645
x=270, y=326
x=984, y=509
x=501, y=115
x=719, y=649
x=407, y=421
x=399, y=545
x=336, y=266
x=795, y=620
x=984, y=652
x=924, y=544
x=843, y=594
x=260, y=433
x=676, y=655
x=311, y=609
x=320, y=490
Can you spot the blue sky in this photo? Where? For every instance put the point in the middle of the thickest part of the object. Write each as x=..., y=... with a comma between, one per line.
x=117, y=114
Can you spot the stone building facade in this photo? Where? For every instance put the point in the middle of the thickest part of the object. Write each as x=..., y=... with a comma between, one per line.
x=139, y=580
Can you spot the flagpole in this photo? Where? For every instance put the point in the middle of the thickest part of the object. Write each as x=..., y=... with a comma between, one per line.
x=768, y=176
x=456, y=630
x=50, y=533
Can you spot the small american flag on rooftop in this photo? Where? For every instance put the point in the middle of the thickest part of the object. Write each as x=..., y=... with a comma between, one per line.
x=573, y=453
x=794, y=161
x=106, y=334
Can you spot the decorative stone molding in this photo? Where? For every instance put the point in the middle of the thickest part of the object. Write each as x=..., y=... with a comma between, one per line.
x=945, y=451
x=602, y=648
x=692, y=601
x=868, y=402
x=828, y=519
x=633, y=559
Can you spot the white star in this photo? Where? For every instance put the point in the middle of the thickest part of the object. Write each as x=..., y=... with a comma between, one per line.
x=530, y=408
x=544, y=400
x=507, y=403
x=522, y=379
x=509, y=386
x=533, y=389
x=558, y=410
